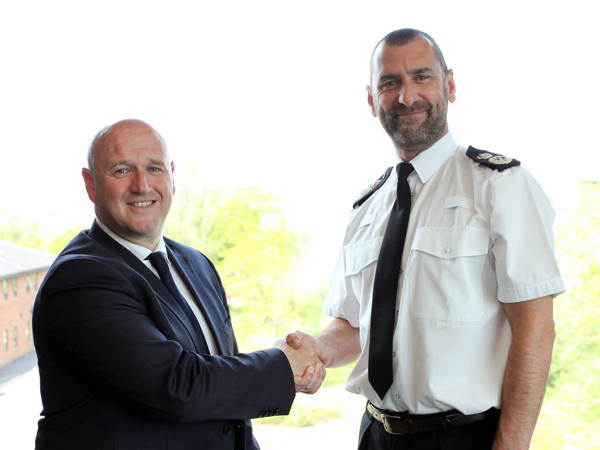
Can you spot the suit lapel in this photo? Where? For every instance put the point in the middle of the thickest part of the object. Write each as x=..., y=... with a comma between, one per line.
x=198, y=290
x=155, y=283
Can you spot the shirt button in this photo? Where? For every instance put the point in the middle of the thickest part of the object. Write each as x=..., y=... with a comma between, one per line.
x=412, y=193
x=393, y=354
x=447, y=250
x=400, y=270
x=227, y=429
x=397, y=396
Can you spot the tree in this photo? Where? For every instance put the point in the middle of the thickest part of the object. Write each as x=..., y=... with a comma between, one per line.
x=18, y=231
x=576, y=362
x=571, y=413
x=58, y=244
x=191, y=220
x=244, y=233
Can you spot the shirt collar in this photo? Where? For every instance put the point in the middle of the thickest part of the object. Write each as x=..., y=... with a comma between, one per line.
x=429, y=161
x=139, y=251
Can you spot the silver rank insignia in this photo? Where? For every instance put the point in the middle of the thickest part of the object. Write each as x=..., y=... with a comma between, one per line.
x=365, y=194
x=492, y=160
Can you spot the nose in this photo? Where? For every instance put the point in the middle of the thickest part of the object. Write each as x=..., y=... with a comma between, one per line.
x=407, y=94
x=139, y=183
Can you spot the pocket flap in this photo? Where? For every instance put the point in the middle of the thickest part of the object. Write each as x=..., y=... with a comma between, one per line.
x=448, y=243
x=360, y=255
x=453, y=202
x=367, y=220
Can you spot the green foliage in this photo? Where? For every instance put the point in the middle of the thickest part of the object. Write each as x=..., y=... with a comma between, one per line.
x=58, y=244
x=571, y=413
x=243, y=232
x=577, y=348
x=300, y=417
x=337, y=376
x=559, y=428
x=13, y=229
x=191, y=220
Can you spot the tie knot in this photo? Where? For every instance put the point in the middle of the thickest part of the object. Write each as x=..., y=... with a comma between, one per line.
x=159, y=262
x=404, y=169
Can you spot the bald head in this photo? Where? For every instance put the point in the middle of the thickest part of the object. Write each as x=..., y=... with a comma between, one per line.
x=130, y=181
x=404, y=36
x=107, y=134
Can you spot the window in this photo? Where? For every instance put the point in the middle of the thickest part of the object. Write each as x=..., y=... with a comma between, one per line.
x=5, y=289
x=27, y=283
x=15, y=334
x=5, y=339
x=14, y=287
x=27, y=331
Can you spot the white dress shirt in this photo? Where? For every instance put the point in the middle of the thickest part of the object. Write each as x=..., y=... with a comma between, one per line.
x=476, y=238
x=142, y=253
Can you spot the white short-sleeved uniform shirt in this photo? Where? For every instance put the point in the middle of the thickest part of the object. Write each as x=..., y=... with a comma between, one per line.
x=476, y=238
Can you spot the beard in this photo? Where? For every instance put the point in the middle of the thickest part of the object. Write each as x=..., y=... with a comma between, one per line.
x=410, y=136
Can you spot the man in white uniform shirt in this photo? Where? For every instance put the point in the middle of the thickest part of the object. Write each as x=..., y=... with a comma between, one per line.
x=473, y=334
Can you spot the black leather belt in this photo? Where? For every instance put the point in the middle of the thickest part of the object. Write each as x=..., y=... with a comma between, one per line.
x=403, y=423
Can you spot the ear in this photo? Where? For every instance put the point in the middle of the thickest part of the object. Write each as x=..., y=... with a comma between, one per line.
x=173, y=175
x=451, y=86
x=371, y=102
x=88, y=178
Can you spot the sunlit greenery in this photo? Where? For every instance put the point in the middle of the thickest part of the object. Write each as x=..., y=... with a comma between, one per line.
x=255, y=254
x=22, y=232
x=570, y=416
x=301, y=417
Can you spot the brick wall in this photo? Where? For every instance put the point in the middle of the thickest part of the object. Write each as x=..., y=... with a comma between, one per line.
x=16, y=338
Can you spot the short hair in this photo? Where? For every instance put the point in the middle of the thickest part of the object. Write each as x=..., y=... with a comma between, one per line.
x=404, y=36
x=107, y=129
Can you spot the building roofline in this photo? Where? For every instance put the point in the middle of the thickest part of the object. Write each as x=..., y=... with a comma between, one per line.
x=16, y=260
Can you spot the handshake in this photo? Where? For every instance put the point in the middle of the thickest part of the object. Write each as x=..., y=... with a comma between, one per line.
x=307, y=359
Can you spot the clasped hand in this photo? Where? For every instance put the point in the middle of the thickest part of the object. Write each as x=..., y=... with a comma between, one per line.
x=307, y=360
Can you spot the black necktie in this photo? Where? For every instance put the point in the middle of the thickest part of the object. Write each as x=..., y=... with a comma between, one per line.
x=385, y=287
x=159, y=262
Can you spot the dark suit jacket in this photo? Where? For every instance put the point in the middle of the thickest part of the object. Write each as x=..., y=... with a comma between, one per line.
x=118, y=360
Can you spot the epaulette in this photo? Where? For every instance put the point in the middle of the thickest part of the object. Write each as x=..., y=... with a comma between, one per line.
x=492, y=160
x=364, y=195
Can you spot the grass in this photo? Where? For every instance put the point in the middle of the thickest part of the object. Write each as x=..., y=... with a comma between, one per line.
x=301, y=417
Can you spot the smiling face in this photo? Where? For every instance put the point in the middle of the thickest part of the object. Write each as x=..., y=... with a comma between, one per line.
x=409, y=93
x=132, y=182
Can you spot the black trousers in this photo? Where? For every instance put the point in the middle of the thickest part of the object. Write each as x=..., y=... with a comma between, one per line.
x=476, y=436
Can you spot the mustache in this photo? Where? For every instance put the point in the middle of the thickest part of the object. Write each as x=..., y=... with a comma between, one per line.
x=417, y=106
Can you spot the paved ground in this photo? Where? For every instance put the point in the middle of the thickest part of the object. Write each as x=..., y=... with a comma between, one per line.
x=17, y=368
x=340, y=434
x=20, y=406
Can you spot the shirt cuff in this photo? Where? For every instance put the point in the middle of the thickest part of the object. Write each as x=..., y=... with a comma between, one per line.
x=553, y=287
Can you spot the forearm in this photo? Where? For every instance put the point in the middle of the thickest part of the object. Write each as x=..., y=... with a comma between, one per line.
x=341, y=342
x=524, y=385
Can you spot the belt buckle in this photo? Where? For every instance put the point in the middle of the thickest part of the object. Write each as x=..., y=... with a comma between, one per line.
x=397, y=425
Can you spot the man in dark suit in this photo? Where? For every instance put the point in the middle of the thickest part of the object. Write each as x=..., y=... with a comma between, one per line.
x=138, y=355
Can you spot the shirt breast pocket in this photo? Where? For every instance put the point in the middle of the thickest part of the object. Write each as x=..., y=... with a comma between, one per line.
x=360, y=268
x=444, y=273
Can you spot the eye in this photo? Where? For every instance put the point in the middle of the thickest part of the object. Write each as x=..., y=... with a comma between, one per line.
x=422, y=78
x=389, y=85
x=120, y=172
